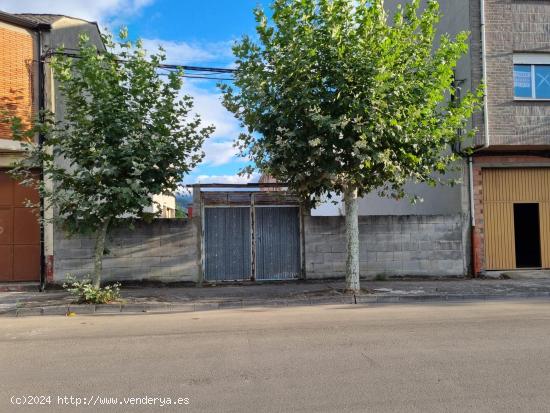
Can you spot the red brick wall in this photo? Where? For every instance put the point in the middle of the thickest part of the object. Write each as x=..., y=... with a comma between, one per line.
x=478, y=236
x=16, y=75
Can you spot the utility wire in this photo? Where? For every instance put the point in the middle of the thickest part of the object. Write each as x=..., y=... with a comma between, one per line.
x=202, y=77
x=203, y=72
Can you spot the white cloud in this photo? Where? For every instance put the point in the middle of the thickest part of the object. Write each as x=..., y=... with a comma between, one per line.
x=218, y=153
x=208, y=104
x=94, y=10
x=179, y=52
x=207, y=99
x=219, y=148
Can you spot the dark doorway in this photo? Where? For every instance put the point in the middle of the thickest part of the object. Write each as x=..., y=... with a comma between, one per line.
x=527, y=235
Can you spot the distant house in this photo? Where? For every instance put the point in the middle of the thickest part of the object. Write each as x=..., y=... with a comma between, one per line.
x=164, y=205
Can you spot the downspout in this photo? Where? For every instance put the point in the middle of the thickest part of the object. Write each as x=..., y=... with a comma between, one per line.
x=484, y=75
x=41, y=107
x=40, y=30
x=474, y=238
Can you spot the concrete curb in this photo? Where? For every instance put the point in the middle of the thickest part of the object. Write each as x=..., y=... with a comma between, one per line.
x=178, y=307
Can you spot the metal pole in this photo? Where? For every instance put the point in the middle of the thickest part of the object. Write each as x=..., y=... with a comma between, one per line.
x=252, y=238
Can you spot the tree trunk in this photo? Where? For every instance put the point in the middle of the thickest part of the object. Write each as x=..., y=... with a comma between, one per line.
x=101, y=235
x=352, y=240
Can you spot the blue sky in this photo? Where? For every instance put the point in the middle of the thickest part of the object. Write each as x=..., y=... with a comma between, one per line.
x=193, y=32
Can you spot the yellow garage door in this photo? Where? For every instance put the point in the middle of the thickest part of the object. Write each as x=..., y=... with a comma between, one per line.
x=502, y=188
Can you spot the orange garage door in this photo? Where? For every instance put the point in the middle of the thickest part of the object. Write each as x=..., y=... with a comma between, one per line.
x=19, y=232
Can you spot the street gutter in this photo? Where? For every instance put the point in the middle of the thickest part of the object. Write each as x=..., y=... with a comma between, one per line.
x=205, y=305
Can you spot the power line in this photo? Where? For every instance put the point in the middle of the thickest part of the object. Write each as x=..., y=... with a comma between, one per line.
x=198, y=68
x=202, y=77
x=204, y=72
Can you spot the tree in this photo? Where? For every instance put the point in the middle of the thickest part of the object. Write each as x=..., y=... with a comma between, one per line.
x=336, y=98
x=126, y=135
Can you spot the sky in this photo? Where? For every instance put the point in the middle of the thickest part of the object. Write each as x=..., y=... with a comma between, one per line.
x=193, y=32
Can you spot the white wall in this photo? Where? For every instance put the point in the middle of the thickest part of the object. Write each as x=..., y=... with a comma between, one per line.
x=439, y=200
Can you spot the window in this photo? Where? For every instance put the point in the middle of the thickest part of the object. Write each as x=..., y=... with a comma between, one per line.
x=522, y=81
x=532, y=81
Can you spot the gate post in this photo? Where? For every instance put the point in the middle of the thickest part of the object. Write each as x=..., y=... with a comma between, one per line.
x=302, y=242
x=252, y=238
x=199, y=222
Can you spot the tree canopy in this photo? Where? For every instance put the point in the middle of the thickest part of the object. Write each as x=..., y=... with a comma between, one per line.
x=337, y=97
x=125, y=134
x=335, y=94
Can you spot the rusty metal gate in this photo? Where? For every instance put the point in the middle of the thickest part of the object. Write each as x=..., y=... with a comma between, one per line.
x=227, y=242
x=277, y=242
x=245, y=240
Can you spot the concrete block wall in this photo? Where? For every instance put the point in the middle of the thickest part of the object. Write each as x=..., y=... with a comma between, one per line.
x=164, y=250
x=389, y=245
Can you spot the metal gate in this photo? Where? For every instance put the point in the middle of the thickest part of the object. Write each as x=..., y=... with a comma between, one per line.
x=227, y=243
x=277, y=235
x=250, y=242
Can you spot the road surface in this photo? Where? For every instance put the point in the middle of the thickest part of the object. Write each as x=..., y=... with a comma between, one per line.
x=465, y=357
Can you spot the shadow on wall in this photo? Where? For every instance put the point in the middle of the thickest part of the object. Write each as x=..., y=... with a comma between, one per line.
x=17, y=99
x=163, y=250
x=439, y=200
x=404, y=245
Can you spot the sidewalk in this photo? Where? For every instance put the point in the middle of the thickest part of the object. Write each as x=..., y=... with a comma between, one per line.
x=182, y=299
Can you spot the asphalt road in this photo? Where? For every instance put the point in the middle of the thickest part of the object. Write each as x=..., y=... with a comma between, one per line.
x=487, y=357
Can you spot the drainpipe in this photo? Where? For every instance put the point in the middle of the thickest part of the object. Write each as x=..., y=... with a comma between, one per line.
x=40, y=30
x=41, y=106
x=484, y=73
x=474, y=238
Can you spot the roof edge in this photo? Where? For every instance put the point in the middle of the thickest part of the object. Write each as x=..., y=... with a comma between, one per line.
x=30, y=16
x=21, y=22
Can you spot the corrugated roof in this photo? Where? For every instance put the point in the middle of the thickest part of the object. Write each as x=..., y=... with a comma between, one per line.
x=45, y=18
x=40, y=18
x=35, y=20
x=21, y=21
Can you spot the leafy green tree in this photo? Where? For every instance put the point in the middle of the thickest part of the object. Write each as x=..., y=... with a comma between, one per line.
x=337, y=97
x=125, y=134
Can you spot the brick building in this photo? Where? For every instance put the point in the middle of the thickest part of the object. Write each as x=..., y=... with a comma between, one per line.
x=20, y=235
x=26, y=86
x=508, y=175
x=28, y=251
x=511, y=165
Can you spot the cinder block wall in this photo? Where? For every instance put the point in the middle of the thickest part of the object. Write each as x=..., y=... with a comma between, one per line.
x=163, y=250
x=405, y=245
